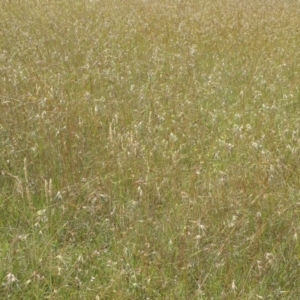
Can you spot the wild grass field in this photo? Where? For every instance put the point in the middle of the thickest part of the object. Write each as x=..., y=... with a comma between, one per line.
x=149, y=149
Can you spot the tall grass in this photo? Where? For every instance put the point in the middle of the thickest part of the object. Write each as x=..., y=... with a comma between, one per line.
x=149, y=149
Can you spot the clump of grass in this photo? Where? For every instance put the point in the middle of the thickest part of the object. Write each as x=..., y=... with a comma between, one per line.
x=149, y=150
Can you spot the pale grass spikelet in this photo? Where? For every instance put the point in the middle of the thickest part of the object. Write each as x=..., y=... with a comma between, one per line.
x=58, y=196
x=258, y=219
x=233, y=286
x=59, y=271
x=269, y=258
x=140, y=192
x=27, y=282
x=46, y=190
x=295, y=236
x=60, y=258
x=10, y=280
x=50, y=189
x=22, y=237
x=232, y=222
x=28, y=195
x=41, y=218
x=26, y=171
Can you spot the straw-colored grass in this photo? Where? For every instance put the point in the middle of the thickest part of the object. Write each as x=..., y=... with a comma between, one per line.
x=149, y=149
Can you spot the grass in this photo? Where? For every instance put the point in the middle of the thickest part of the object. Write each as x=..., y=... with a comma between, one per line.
x=149, y=149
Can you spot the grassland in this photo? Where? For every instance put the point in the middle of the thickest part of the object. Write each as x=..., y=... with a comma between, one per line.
x=149, y=149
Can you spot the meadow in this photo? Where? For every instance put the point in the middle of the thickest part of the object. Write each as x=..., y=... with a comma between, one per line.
x=149, y=149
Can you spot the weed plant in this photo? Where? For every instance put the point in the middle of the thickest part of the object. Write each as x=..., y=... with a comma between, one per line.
x=149, y=149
